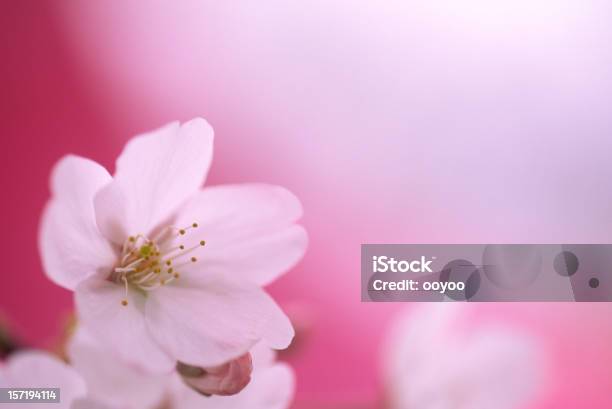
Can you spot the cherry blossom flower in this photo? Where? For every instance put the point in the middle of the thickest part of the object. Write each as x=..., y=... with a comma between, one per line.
x=432, y=363
x=114, y=385
x=164, y=271
x=36, y=369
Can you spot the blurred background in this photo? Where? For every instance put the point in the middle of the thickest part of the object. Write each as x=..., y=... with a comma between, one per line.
x=438, y=121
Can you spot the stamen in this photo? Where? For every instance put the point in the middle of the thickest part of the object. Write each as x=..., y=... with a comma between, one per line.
x=184, y=252
x=184, y=229
x=124, y=302
x=141, y=261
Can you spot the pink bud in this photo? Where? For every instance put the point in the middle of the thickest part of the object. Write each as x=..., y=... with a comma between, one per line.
x=226, y=379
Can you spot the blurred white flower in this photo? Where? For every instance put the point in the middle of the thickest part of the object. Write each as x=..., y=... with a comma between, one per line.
x=163, y=271
x=434, y=361
x=36, y=369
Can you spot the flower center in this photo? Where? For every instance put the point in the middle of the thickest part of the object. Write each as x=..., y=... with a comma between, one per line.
x=147, y=264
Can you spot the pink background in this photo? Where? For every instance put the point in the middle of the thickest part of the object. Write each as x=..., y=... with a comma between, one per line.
x=437, y=121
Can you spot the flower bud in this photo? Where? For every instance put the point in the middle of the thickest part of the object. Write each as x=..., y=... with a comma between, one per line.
x=226, y=379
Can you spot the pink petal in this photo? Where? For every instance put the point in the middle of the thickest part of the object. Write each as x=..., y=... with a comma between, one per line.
x=227, y=379
x=209, y=322
x=35, y=369
x=110, y=380
x=249, y=229
x=270, y=388
x=71, y=245
x=120, y=328
x=155, y=174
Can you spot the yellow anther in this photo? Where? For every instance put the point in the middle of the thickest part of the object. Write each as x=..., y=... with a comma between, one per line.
x=194, y=225
x=124, y=302
x=146, y=251
x=169, y=262
x=182, y=231
x=193, y=259
x=176, y=275
x=182, y=247
x=202, y=242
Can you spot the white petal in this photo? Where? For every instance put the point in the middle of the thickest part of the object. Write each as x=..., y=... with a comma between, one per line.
x=209, y=323
x=35, y=369
x=110, y=380
x=262, y=356
x=120, y=328
x=70, y=243
x=155, y=174
x=249, y=229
